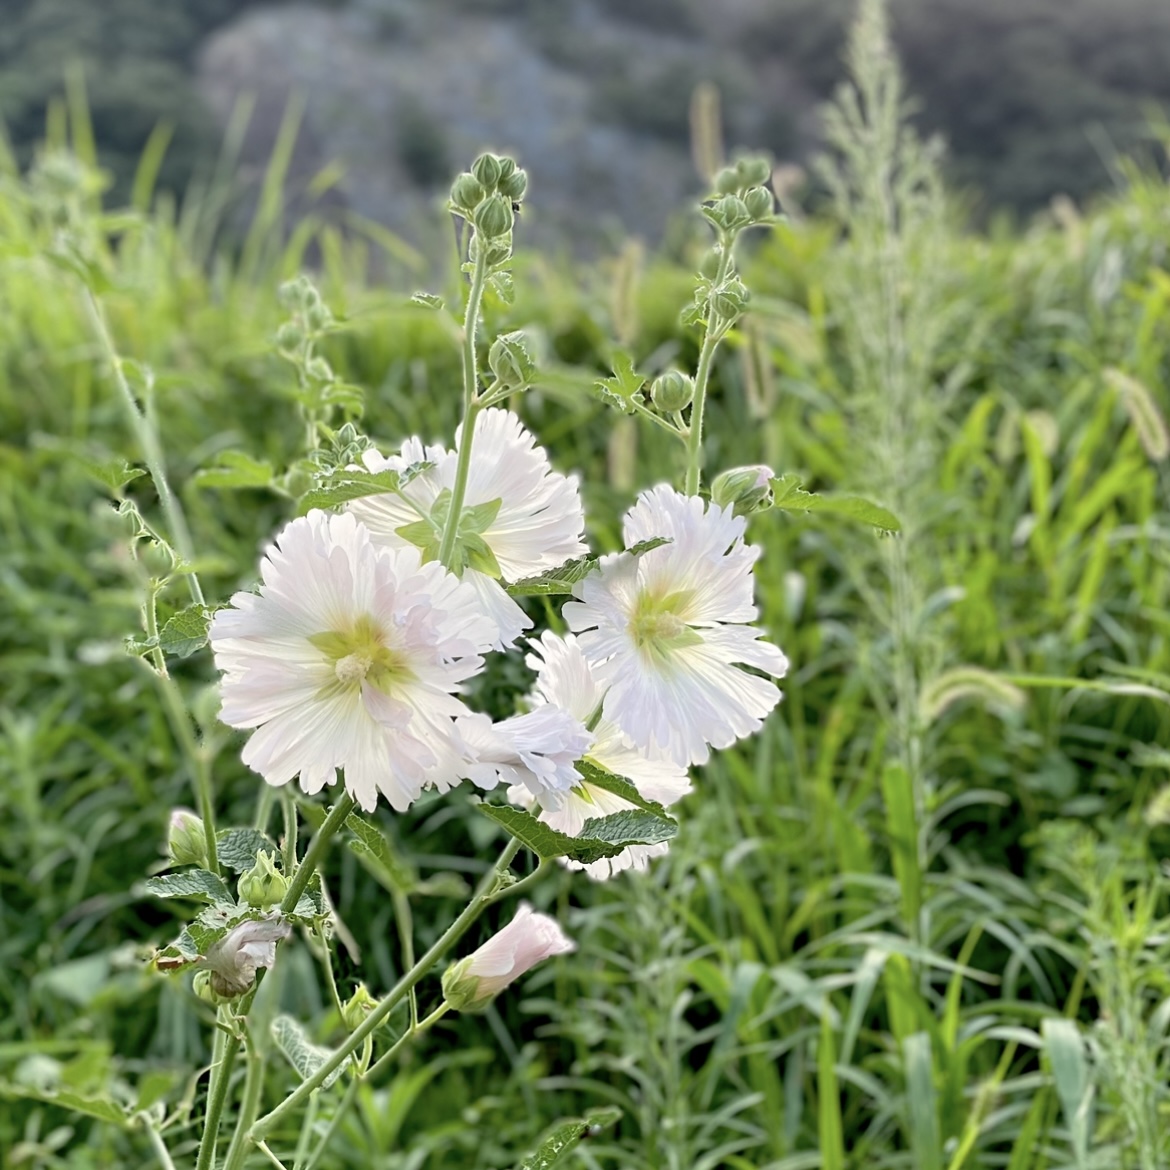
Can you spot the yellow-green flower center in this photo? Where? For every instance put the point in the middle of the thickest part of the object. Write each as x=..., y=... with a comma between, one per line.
x=359, y=654
x=658, y=626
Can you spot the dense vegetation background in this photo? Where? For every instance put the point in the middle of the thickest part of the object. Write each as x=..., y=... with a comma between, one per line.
x=920, y=921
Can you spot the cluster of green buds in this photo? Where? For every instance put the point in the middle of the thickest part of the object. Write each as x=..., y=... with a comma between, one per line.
x=488, y=197
x=742, y=197
x=357, y=1007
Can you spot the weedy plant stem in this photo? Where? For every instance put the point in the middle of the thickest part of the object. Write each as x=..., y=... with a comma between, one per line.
x=316, y=851
x=487, y=893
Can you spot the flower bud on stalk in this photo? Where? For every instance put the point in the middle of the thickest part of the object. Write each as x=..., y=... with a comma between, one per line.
x=186, y=839
x=672, y=391
x=467, y=193
x=511, y=361
x=759, y=203
x=530, y=938
x=357, y=1007
x=730, y=299
x=487, y=170
x=493, y=216
x=746, y=489
x=263, y=885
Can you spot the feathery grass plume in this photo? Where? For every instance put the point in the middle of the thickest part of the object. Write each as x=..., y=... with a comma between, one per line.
x=706, y=130
x=1144, y=415
x=968, y=682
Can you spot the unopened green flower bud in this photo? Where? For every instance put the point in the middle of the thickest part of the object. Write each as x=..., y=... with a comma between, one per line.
x=511, y=360
x=486, y=169
x=318, y=316
x=201, y=985
x=493, y=217
x=514, y=185
x=730, y=299
x=758, y=201
x=753, y=170
x=467, y=192
x=319, y=370
x=263, y=885
x=745, y=489
x=289, y=336
x=672, y=391
x=507, y=167
x=186, y=839
x=357, y=1007
x=731, y=212
x=727, y=182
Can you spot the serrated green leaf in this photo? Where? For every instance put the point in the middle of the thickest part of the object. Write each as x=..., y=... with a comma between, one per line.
x=235, y=469
x=379, y=856
x=620, y=390
x=560, y=581
x=305, y=1056
x=600, y=837
x=427, y=300
x=101, y=1108
x=789, y=496
x=345, y=484
x=113, y=474
x=563, y=1138
x=311, y=904
x=600, y=777
x=186, y=631
x=190, y=883
x=237, y=848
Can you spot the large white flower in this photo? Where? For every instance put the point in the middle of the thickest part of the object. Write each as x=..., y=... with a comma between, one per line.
x=565, y=682
x=535, y=751
x=537, y=525
x=349, y=657
x=664, y=630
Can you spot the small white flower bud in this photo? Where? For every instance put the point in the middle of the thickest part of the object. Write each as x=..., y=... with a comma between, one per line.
x=186, y=839
x=530, y=938
x=745, y=489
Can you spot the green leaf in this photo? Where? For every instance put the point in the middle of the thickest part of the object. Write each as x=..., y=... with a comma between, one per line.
x=427, y=300
x=560, y=1141
x=190, y=883
x=186, y=632
x=235, y=469
x=113, y=474
x=379, y=856
x=101, y=1108
x=311, y=904
x=300, y=1052
x=600, y=777
x=345, y=484
x=620, y=390
x=600, y=837
x=789, y=496
x=560, y=581
x=237, y=848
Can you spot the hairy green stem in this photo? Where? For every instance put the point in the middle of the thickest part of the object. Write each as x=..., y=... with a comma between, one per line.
x=471, y=408
x=249, y=1107
x=383, y=1061
x=487, y=893
x=160, y=1148
x=711, y=341
x=148, y=441
x=316, y=851
x=221, y=1074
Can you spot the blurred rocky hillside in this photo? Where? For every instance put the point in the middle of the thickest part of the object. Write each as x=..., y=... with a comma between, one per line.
x=1036, y=97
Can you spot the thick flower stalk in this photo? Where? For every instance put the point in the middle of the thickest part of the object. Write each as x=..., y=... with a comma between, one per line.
x=530, y=938
x=519, y=517
x=565, y=682
x=349, y=657
x=666, y=633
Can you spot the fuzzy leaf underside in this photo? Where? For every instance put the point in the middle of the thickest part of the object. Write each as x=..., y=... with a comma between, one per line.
x=379, y=857
x=190, y=883
x=563, y=1138
x=305, y=1056
x=237, y=848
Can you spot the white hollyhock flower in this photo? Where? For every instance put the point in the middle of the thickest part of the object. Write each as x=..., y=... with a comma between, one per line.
x=664, y=630
x=528, y=939
x=564, y=680
x=537, y=524
x=536, y=751
x=349, y=657
x=234, y=959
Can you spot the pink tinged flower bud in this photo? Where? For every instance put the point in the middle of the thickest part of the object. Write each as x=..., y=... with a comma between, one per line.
x=186, y=839
x=234, y=960
x=528, y=939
